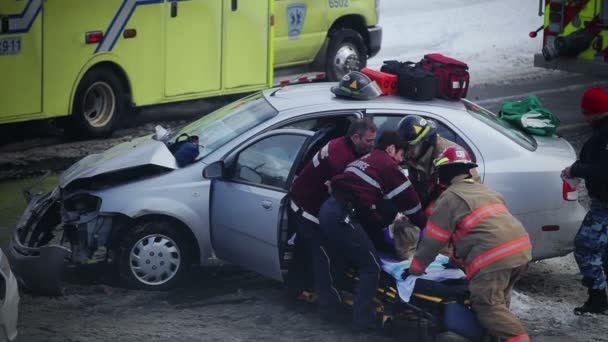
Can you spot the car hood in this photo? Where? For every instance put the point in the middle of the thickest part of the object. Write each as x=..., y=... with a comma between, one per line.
x=137, y=153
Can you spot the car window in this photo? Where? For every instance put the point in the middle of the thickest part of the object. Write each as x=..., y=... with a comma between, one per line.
x=225, y=124
x=502, y=126
x=269, y=161
x=340, y=122
x=385, y=122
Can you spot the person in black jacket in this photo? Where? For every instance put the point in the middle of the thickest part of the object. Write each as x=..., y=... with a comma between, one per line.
x=591, y=241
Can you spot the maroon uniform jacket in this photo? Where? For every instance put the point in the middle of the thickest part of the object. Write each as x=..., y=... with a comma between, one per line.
x=309, y=191
x=372, y=178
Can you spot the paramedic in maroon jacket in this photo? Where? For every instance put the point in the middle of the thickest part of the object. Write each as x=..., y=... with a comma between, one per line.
x=309, y=191
x=352, y=206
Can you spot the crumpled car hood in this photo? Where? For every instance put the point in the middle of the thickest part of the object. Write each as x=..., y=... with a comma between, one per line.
x=135, y=153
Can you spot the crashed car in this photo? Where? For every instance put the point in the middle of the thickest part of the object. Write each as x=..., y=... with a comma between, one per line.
x=9, y=301
x=133, y=205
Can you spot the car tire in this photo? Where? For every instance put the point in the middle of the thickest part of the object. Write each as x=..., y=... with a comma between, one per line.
x=449, y=336
x=154, y=255
x=101, y=100
x=346, y=52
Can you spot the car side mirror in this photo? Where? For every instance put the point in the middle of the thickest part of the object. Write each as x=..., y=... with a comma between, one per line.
x=215, y=170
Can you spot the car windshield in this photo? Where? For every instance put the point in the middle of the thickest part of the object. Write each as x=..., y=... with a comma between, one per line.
x=228, y=122
x=502, y=126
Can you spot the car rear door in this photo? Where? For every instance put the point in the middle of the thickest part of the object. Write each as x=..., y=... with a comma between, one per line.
x=248, y=204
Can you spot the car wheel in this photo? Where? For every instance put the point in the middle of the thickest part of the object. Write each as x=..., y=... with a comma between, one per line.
x=99, y=103
x=153, y=255
x=346, y=52
x=449, y=336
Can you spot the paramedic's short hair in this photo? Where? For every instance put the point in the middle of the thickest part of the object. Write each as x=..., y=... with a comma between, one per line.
x=361, y=126
x=391, y=137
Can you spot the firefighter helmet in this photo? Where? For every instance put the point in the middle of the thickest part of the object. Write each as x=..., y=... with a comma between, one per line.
x=594, y=104
x=454, y=155
x=415, y=129
x=357, y=85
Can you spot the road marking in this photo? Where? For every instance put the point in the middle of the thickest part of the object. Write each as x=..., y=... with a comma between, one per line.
x=537, y=93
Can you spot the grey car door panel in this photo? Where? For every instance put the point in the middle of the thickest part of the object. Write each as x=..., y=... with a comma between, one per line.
x=247, y=207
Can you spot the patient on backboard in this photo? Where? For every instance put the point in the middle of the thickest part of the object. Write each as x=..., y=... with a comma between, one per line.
x=405, y=236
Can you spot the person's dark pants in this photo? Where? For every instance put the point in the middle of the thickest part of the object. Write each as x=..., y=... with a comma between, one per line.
x=591, y=246
x=304, y=264
x=344, y=240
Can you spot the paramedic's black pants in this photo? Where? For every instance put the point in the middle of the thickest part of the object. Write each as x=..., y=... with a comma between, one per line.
x=342, y=242
x=304, y=266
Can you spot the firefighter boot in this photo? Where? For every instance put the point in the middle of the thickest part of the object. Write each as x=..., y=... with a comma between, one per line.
x=596, y=303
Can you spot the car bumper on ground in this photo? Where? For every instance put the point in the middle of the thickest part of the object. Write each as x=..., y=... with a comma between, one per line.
x=375, y=40
x=37, y=268
x=9, y=307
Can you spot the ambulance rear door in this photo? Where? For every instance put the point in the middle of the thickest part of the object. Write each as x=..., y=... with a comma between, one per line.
x=193, y=46
x=20, y=59
x=246, y=43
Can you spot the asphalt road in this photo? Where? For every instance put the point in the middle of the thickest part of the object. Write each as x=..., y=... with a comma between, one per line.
x=561, y=94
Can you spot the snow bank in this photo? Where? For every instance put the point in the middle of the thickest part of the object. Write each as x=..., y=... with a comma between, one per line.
x=491, y=36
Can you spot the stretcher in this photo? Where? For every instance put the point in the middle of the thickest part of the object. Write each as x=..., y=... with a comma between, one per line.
x=436, y=310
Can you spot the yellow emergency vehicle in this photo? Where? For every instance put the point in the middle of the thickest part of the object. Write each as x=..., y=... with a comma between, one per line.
x=92, y=61
x=575, y=36
x=334, y=36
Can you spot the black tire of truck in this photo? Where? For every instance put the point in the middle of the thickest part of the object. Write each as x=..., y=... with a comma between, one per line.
x=153, y=255
x=346, y=52
x=100, y=102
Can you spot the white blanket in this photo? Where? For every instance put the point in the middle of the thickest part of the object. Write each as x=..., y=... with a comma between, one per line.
x=436, y=272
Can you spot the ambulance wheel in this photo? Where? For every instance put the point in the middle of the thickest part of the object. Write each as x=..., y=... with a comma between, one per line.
x=154, y=254
x=449, y=336
x=99, y=103
x=346, y=52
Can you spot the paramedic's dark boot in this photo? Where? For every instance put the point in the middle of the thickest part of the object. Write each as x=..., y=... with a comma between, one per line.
x=596, y=303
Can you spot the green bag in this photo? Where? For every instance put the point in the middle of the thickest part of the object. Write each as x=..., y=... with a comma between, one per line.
x=530, y=115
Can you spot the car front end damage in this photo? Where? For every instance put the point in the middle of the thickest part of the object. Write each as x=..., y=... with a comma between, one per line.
x=56, y=228
x=66, y=225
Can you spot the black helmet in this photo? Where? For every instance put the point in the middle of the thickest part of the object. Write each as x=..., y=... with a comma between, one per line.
x=415, y=129
x=356, y=85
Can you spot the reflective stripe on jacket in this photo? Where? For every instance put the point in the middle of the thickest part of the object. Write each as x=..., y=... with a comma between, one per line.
x=375, y=177
x=475, y=219
x=309, y=191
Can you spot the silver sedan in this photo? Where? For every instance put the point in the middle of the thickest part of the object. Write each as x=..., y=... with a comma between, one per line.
x=133, y=205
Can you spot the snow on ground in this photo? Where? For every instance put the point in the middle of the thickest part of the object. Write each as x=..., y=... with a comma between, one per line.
x=491, y=36
x=544, y=300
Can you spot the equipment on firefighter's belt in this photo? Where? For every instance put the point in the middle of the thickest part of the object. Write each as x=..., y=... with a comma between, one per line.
x=358, y=86
x=569, y=46
x=350, y=214
x=530, y=115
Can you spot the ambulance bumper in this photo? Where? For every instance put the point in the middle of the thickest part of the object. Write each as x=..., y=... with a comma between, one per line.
x=375, y=40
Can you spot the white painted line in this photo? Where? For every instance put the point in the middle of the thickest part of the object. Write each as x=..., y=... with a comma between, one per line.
x=537, y=93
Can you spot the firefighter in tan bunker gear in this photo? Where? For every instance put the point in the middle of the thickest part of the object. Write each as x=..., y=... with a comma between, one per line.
x=424, y=146
x=489, y=243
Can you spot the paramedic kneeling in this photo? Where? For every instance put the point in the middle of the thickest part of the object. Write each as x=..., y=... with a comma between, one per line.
x=491, y=245
x=364, y=183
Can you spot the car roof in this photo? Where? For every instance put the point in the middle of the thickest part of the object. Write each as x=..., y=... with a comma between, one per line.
x=319, y=94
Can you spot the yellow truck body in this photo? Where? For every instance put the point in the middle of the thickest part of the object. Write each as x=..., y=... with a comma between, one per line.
x=61, y=58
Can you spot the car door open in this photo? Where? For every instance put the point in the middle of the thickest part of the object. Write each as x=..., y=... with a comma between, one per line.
x=248, y=202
